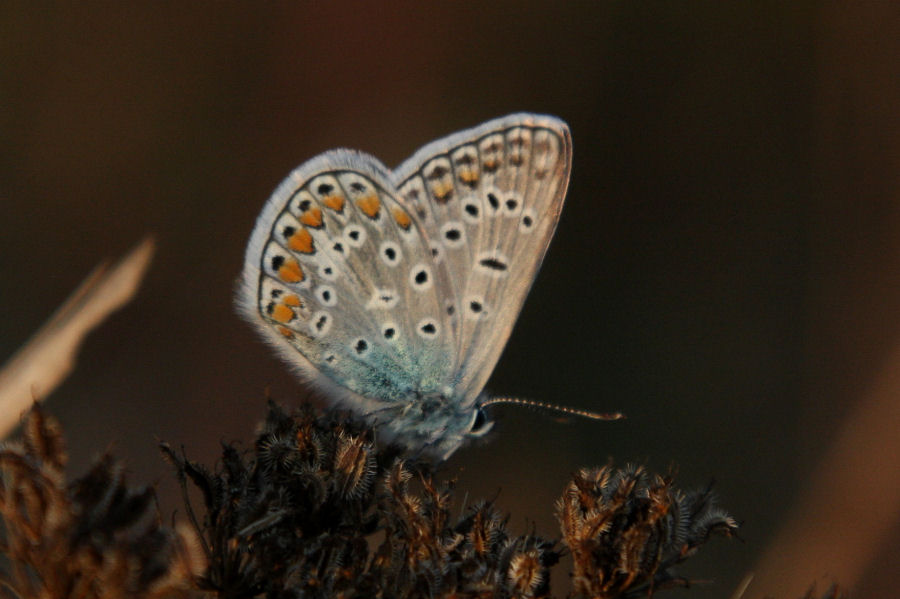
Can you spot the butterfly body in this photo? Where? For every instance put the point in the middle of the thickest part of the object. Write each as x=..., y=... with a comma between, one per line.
x=394, y=292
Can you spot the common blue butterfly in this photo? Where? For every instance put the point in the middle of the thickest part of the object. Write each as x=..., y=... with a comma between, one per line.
x=394, y=292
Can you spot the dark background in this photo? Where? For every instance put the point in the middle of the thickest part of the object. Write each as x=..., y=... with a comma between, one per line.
x=726, y=270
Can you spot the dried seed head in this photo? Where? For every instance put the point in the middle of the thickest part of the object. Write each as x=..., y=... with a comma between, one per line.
x=486, y=530
x=358, y=522
x=626, y=529
x=94, y=537
x=526, y=574
x=43, y=439
x=354, y=466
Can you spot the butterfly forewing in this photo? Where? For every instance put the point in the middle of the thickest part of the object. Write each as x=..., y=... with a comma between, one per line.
x=488, y=200
x=345, y=277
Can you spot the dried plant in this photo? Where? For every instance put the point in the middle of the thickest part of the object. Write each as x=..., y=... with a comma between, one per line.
x=627, y=529
x=317, y=510
x=92, y=538
x=49, y=356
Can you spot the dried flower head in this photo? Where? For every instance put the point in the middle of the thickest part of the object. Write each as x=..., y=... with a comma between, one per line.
x=300, y=514
x=94, y=537
x=627, y=529
x=316, y=509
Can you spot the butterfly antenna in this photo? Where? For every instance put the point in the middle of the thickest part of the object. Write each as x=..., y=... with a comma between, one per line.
x=518, y=401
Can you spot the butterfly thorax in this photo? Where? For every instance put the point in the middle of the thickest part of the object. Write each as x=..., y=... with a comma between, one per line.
x=433, y=422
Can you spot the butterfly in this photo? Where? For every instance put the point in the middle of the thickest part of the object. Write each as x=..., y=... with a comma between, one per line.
x=393, y=292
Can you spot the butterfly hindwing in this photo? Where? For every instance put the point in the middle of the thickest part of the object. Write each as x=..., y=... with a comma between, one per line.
x=490, y=199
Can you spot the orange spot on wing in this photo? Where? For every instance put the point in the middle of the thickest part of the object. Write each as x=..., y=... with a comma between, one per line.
x=282, y=313
x=292, y=300
x=290, y=271
x=442, y=191
x=302, y=241
x=286, y=332
x=468, y=176
x=402, y=218
x=336, y=203
x=312, y=217
x=369, y=205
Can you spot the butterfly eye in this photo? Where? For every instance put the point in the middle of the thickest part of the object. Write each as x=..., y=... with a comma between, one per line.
x=480, y=424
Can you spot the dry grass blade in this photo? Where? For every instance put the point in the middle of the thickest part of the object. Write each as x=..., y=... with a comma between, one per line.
x=48, y=357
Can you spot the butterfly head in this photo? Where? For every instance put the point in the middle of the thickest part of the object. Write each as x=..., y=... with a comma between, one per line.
x=437, y=425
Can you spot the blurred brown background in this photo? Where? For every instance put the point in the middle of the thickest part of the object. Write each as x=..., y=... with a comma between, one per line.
x=726, y=271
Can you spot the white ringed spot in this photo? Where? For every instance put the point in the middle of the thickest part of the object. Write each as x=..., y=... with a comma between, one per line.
x=420, y=277
x=354, y=236
x=428, y=328
x=320, y=323
x=390, y=253
x=453, y=234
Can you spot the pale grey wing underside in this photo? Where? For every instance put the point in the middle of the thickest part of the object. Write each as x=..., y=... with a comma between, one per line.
x=338, y=276
x=489, y=199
